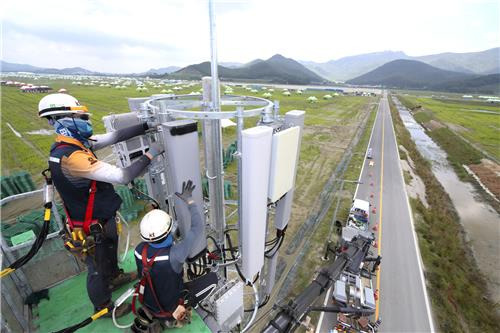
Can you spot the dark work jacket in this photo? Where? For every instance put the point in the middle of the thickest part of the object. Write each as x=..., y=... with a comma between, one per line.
x=74, y=191
x=167, y=283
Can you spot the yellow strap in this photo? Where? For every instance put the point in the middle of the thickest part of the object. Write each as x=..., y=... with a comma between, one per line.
x=70, y=245
x=99, y=314
x=46, y=217
x=6, y=272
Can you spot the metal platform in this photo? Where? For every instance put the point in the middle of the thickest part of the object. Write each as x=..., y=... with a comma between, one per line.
x=69, y=304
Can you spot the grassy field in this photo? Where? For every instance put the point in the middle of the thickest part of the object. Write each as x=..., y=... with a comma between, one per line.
x=457, y=290
x=477, y=122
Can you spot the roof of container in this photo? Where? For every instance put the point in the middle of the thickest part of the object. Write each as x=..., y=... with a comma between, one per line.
x=361, y=204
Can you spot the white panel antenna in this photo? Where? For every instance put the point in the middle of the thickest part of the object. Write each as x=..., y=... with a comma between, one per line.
x=256, y=160
x=284, y=156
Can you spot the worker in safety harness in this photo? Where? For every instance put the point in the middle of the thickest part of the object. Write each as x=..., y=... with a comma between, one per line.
x=160, y=264
x=84, y=185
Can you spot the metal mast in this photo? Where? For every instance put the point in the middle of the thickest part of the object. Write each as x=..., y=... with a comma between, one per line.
x=213, y=141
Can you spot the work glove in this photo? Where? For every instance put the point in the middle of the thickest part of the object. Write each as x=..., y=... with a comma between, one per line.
x=187, y=192
x=155, y=149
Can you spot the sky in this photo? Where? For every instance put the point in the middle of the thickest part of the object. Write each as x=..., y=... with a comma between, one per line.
x=133, y=36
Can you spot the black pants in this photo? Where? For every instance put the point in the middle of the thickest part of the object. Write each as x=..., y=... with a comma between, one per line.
x=104, y=265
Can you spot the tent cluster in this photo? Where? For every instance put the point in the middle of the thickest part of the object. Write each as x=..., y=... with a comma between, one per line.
x=267, y=95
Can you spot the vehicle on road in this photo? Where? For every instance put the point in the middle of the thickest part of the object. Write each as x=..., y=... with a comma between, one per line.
x=359, y=214
x=369, y=153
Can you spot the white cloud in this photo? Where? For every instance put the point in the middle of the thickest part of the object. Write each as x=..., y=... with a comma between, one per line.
x=126, y=36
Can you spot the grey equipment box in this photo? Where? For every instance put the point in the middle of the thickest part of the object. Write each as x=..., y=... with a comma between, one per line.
x=128, y=150
x=339, y=292
x=183, y=163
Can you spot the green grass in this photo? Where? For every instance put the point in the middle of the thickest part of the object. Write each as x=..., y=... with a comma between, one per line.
x=457, y=290
x=481, y=129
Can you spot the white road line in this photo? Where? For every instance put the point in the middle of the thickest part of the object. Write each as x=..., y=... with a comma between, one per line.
x=417, y=249
x=366, y=152
x=320, y=321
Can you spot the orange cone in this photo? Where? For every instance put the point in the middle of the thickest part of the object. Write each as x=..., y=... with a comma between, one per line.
x=375, y=228
x=374, y=210
x=371, y=195
x=375, y=244
x=375, y=294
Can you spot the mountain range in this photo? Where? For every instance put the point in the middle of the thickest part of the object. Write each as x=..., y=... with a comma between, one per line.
x=11, y=67
x=412, y=74
x=276, y=69
x=484, y=62
x=445, y=71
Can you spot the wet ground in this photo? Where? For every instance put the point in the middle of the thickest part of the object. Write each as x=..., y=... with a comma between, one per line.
x=480, y=221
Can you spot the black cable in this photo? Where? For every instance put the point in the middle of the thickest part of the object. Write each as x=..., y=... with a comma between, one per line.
x=40, y=239
x=268, y=253
x=148, y=197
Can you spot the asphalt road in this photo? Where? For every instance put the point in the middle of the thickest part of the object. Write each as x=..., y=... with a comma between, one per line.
x=403, y=305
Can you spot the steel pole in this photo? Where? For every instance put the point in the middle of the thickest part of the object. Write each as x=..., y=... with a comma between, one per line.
x=213, y=144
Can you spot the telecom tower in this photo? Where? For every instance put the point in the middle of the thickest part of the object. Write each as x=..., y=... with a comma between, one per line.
x=267, y=156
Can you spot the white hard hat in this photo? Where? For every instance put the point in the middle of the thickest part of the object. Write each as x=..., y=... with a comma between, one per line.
x=155, y=225
x=59, y=105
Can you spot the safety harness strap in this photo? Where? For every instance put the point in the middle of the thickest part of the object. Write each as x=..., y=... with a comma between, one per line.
x=147, y=265
x=89, y=210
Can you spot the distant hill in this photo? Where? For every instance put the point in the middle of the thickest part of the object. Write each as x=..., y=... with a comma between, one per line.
x=161, y=71
x=486, y=84
x=349, y=67
x=276, y=69
x=231, y=64
x=411, y=74
x=11, y=67
x=484, y=62
x=253, y=62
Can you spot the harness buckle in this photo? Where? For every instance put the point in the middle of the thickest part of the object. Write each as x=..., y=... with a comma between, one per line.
x=96, y=228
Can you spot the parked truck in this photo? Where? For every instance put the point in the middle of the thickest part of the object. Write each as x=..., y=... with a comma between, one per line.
x=359, y=214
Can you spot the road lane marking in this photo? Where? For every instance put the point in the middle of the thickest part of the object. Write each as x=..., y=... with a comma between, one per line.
x=377, y=304
x=417, y=248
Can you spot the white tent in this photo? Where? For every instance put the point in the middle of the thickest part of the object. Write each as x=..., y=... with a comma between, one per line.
x=327, y=97
x=286, y=93
x=299, y=92
x=312, y=99
x=267, y=95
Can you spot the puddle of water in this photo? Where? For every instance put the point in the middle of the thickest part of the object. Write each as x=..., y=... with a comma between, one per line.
x=480, y=221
